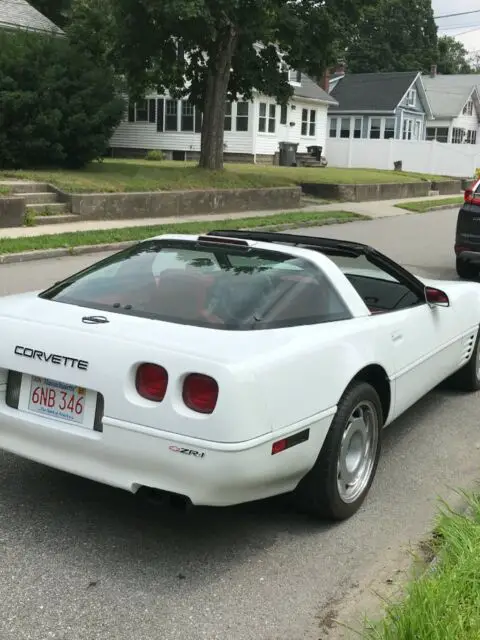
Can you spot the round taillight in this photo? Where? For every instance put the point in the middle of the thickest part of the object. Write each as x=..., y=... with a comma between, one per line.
x=200, y=393
x=151, y=382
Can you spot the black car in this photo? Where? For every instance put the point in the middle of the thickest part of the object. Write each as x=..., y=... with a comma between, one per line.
x=467, y=237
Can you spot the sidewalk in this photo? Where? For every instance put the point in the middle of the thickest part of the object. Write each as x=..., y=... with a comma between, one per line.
x=374, y=209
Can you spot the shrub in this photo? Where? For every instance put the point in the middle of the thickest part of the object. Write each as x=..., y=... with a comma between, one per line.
x=155, y=155
x=58, y=107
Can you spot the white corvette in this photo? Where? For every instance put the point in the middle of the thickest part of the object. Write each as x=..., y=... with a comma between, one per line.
x=230, y=367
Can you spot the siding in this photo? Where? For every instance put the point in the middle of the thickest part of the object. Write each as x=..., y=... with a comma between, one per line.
x=144, y=135
x=467, y=123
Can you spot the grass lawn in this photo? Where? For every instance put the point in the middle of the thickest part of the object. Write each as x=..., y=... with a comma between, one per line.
x=134, y=234
x=422, y=206
x=143, y=175
x=443, y=604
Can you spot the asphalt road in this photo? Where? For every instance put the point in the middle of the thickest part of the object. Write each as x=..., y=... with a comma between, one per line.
x=80, y=561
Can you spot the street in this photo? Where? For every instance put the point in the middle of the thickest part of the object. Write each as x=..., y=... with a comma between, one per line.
x=80, y=561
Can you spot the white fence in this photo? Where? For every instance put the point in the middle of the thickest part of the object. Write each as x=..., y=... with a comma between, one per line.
x=459, y=160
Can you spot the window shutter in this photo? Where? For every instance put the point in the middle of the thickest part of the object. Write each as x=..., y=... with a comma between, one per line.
x=152, y=112
x=131, y=112
x=198, y=120
x=160, y=104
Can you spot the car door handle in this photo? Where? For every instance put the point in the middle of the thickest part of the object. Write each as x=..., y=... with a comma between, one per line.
x=397, y=336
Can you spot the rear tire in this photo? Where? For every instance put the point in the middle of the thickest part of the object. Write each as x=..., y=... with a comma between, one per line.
x=465, y=270
x=340, y=480
x=468, y=377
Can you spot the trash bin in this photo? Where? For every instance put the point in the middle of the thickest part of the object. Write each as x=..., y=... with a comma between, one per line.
x=315, y=151
x=288, y=154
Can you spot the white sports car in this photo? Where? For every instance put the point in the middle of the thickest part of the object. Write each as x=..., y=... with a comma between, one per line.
x=230, y=367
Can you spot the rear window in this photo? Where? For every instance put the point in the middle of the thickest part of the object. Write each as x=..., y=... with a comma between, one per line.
x=224, y=287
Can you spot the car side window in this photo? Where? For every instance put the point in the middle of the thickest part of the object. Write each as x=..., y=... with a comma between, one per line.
x=380, y=291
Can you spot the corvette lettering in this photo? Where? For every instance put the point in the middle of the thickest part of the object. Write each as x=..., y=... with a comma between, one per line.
x=52, y=358
x=187, y=452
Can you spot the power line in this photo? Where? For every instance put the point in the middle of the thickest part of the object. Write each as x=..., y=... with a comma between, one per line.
x=454, y=15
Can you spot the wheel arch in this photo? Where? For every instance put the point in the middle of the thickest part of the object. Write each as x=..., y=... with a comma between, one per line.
x=377, y=377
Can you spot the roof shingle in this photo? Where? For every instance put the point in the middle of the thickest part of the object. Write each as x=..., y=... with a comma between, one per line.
x=372, y=91
x=448, y=94
x=19, y=14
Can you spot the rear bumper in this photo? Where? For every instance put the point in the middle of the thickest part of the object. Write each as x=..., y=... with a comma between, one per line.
x=130, y=456
x=467, y=235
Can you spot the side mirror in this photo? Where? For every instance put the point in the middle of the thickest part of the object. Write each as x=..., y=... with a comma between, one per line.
x=436, y=297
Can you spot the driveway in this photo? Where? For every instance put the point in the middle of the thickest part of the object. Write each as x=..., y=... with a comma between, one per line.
x=80, y=561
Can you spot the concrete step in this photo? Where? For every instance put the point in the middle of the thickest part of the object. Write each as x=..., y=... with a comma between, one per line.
x=60, y=219
x=49, y=197
x=25, y=186
x=52, y=208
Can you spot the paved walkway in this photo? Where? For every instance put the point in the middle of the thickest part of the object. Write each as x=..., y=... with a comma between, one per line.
x=376, y=209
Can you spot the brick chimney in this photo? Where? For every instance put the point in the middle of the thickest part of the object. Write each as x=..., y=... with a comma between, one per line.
x=433, y=70
x=325, y=81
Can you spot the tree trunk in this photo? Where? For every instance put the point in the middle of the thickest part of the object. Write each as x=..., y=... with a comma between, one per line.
x=211, y=150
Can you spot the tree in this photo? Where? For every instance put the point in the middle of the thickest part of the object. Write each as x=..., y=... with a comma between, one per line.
x=57, y=106
x=205, y=49
x=56, y=10
x=394, y=35
x=452, y=56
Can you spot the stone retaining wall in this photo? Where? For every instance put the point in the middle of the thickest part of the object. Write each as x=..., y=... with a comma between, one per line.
x=387, y=191
x=164, y=204
x=12, y=212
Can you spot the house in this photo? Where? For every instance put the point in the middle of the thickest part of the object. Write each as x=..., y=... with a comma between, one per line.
x=19, y=14
x=379, y=106
x=455, y=102
x=253, y=130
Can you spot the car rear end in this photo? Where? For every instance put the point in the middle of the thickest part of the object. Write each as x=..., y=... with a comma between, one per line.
x=467, y=237
x=116, y=393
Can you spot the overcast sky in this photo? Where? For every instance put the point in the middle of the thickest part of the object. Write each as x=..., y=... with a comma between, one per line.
x=458, y=26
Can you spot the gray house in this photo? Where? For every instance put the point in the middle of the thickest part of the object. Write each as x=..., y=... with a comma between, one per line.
x=379, y=106
x=455, y=101
x=19, y=14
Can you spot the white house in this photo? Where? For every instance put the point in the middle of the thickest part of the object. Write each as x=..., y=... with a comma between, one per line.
x=253, y=130
x=455, y=104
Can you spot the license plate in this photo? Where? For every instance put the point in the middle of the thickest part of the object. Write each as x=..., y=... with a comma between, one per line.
x=57, y=400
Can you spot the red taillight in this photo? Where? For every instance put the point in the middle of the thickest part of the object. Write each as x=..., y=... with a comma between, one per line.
x=200, y=393
x=151, y=382
x=472, y=195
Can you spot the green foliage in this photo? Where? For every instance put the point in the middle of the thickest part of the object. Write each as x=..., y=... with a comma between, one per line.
x=394, y=35
x=452, y=56
x=57, y=106
x=155, y=156
x=309, y=33
x=56, y=10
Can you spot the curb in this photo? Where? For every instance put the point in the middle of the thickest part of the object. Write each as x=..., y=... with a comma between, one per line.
x=442, y=207
x=62, y=252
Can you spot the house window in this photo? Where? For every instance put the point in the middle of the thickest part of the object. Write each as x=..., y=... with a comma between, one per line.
x=141, y=111
x=262, y=117
x=333, y=127
x=242, y=116
x=345, y=128
x=295, y=76
x=440, y=134
x=309, y=122
x=283, y=114
x=412, y=97
x=171, y=115
x=313, y=119
x=458, y=136
x=272, y=114
x=357, y=129
x=304, y=122
x=468, y=108
x=389, y=131
x=471, y=137
x=188, y=111
x=407, y=129
x=228, y=117
x=375, y=126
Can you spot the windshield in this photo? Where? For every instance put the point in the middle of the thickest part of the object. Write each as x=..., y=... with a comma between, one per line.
x=222, y=287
